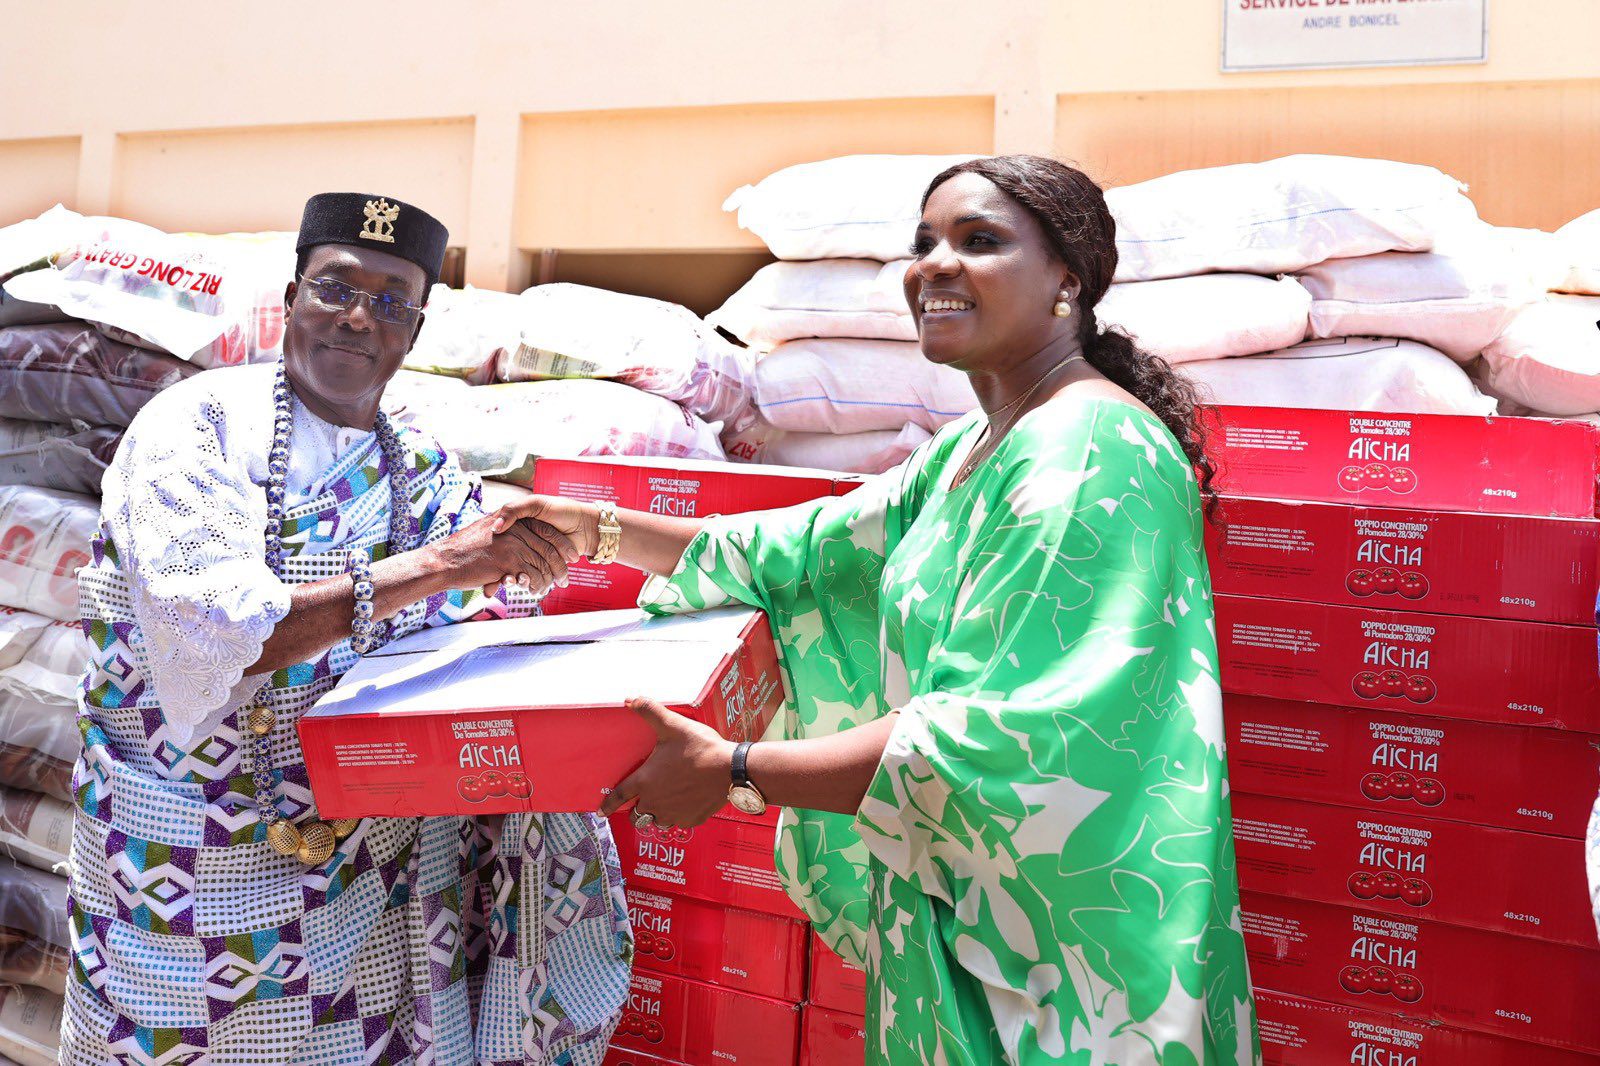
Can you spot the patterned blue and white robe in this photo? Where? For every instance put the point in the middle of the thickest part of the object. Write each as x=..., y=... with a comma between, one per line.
x=438, y=940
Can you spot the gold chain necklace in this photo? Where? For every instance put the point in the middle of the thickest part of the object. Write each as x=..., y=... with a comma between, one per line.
x=975, y=456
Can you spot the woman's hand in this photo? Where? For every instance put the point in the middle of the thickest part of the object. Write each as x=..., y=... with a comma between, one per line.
x=685, y=780
x=577, y=521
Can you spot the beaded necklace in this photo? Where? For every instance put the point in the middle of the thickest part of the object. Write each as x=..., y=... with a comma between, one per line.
x=312, y=841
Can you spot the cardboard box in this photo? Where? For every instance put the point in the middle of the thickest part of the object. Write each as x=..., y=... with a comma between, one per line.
x=1515, y=777
x=725, y=861
x=1296, y=1031
x=1484, y=669
x=835, y=984
x=1411, y=867
x=686, y=488
x=1491, y=566
x=528, y=714
x=832, y=1038
x=616, y=1056
x=692, y=1022
x=1513, y=986
x=750, y=951
x=1528, y=466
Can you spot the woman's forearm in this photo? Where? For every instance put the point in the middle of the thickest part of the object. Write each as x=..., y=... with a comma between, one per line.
x=829, y=773
x=653, y=543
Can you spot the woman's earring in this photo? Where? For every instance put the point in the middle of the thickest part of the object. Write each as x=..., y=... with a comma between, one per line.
x=1063, y=306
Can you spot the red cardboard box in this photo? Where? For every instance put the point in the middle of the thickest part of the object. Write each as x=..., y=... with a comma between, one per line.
x=1521, y=673
x=724, y=861
x=1491, y=566
x=699, y=1023
x=753, y=952
x=1514, y=777
x=1414, y=867
x=836, y=984
x=686, y=488
x=616, y=1056
x=1518, y=987
x=1529, y=466
x=528, y=714
x=832, y=1038
x=1305, y=1032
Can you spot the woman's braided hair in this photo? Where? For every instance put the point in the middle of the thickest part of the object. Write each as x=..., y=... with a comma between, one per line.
x=1073, y=211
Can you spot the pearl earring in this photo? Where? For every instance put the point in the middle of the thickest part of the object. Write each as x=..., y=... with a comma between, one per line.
x=1063, y=307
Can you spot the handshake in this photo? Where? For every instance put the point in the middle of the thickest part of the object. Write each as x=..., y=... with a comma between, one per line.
x=529, y=543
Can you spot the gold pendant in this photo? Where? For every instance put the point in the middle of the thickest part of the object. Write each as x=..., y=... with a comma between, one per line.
x=261, y=720
x=343, y=827
x=283, y=837
x=316, y=843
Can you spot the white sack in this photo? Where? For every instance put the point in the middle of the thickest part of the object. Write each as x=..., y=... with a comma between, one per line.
x=1212, y=316
x=859, y=298
x=35, y=829
x=214, y=300
x=1351, y=373
x=1548, y=358
x=1280, y=216
x=848, y=386
x=44, y=539
x=500, y=430
x=574, y=331
x=30, y=1025
x=466, y=333
x=41, y=658
x=850, y=207
x=1580, y=248
x=1457, y=303
x=871, y=452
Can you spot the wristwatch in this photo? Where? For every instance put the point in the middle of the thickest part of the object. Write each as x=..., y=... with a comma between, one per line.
x=743, y=794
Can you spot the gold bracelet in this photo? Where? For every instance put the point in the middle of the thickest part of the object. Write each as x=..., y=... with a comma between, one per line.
x=605, y=552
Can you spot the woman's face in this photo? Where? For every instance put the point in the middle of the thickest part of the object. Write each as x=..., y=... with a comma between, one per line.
x=341, y=359
x=984, y=281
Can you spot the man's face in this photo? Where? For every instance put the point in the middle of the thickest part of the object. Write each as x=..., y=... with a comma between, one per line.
x=340, y=358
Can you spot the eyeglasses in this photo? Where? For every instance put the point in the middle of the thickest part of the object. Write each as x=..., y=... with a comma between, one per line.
x=337, y=296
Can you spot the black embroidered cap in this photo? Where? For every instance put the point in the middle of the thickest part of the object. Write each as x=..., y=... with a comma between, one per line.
x=384, y=223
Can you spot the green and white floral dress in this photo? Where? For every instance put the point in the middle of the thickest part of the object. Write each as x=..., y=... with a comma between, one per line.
x=1042, y=869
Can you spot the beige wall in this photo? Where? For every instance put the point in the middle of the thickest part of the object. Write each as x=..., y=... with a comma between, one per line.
x=607, y=129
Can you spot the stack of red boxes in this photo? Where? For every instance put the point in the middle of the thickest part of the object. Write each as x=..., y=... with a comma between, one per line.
x=726, y=968
x=1405, y=619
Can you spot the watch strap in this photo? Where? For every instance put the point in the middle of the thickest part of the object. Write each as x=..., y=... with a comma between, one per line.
x=741, y=755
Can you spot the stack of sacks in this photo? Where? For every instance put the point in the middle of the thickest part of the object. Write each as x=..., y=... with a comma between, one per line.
x=1203, y=259
x=579, y=371
x=30, y=1021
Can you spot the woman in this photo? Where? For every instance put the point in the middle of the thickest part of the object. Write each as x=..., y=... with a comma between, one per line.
x=258, y=523
x=1004, y=766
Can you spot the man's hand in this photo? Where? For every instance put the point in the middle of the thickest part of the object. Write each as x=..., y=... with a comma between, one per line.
x=489, y=553
x=571, y=526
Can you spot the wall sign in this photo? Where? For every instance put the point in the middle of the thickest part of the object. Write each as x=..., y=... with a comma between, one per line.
x=1307, y=34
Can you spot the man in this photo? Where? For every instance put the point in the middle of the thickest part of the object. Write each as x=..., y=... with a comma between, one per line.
x=262, y=527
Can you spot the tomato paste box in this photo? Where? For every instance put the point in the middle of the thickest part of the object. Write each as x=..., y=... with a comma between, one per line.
x=831, y=1037
x=726, y=861
x=1534, y=885
x=1486, y=669
x=836, y=984
x=1526, y=989
x=1492, y=566
x=685, y=488
x=528, y=713
x=687, y=1021
x=1514, y=777
x=1296, y=1031
x=762, y=954
x=1528, y=466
